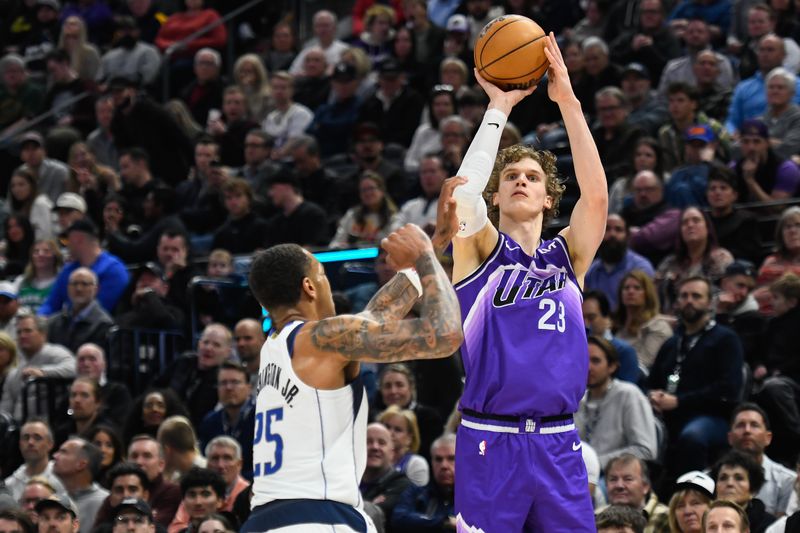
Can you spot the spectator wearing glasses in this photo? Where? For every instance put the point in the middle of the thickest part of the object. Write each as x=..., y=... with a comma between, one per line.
x=85, y=320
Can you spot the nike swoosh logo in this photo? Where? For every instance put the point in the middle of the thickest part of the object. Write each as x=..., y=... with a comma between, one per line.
x=576, y=446
x=495, y=124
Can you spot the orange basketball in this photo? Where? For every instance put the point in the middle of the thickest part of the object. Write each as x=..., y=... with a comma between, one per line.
x=509, y=52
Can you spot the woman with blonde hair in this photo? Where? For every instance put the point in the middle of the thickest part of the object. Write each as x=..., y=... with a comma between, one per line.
x=376, y=39
x=8, y=358
x=84, y=56
x=36, y=282
x=402, y=424
x=694, y=492
x=251, y=77
x=637, y=319
x=183, y=117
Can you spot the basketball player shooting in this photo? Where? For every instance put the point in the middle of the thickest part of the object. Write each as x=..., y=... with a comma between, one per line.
x=520, y=466
x=309, y=450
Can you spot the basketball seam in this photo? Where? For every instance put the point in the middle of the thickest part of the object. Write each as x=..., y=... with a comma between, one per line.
x=521, y=75
x=484, y=67
x=492, y=37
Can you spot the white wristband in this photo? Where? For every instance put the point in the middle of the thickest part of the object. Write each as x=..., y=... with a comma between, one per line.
x=413, y=277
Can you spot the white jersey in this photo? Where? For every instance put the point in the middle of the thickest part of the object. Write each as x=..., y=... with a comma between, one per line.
x=308, y=443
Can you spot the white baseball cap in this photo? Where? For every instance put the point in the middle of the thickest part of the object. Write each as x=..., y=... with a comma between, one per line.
x=70, y=200
x=697, y=480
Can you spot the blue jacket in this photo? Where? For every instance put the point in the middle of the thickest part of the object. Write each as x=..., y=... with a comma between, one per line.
x=422, y=509
x=112, y=277
x=216, y=423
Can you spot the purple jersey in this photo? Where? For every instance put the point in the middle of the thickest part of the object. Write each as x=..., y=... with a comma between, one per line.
x=524, y=348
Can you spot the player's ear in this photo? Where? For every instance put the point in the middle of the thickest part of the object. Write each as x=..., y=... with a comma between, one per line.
x=548, y=202
x=309, y=289
x=495, y=200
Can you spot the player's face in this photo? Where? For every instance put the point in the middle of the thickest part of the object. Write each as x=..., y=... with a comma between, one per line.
x=626, y=485
x=733, y=483
x=689, y=512
x=395, y=389
x=521, y=194
x=723, y=520
x=599, y=369
x=749, y=433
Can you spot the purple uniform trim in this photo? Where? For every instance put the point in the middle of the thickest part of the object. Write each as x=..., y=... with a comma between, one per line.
x=524, y=348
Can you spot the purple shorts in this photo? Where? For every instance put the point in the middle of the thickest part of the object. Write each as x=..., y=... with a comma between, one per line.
x=527, y=476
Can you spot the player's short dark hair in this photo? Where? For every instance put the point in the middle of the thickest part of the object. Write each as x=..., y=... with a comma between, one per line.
x=621, y=516
x=127, y=468
x=203, y=477
x=755, y=472
x=750, y=406
x=612, y=356
x=601, y=299
x=681, y=87
x=276, y=275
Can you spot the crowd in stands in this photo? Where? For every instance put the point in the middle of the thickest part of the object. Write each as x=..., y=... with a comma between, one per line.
x=165, y=154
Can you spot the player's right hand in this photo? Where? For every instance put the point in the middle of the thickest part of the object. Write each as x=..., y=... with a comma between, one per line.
x=446, y=218
x=500, y=99
x=405, y=245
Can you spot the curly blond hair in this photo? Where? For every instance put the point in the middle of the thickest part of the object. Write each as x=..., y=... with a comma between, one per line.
x=553, y=186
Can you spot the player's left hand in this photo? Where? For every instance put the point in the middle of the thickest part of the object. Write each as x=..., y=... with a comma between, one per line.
x=559, y=87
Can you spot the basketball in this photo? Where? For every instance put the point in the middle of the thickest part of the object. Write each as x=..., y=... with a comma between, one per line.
x=509, y=52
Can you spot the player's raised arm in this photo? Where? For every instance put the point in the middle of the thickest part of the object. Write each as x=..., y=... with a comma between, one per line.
x=384, y=337
x=588, y=221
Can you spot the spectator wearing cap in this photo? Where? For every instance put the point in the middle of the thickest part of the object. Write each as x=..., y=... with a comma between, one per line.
x=51, y=175
x=140, y=122
x=683, y=107
x=9, y=307
x=69, y=207
x=366, y=154
x=737, y=308
x=312, y=87
x=696, y=38
x=395, y=107
x=456, y=45
x=615, y=136
x=334, y=121
x=289, y=119
x=650, y=43
x=159, y=213
x=232, y=126
x=149, y=306
x=84, y=248
x=647, y=110
x=258, y=164
x=323, y=25
x=783, y=115
x=694, y=491
x=64, y=85
x=244, y=231
x=750, y=95
x=76, y=463
x=133, y=515
x=20, y=98
x=298, y=220
x=763, y=176
x=129, y=58
x=750, y=433
x=736, y=229
x=689, y=181
x=58, y=514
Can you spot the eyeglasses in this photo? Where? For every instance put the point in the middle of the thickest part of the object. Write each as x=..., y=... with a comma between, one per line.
x=442, y=88
x=127, y=519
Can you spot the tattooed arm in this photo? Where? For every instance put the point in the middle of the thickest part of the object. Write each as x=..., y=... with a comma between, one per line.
x=386, y=338
x=393, y=301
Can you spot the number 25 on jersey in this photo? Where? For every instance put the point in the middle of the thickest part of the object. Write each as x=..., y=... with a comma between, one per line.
x=265, y=431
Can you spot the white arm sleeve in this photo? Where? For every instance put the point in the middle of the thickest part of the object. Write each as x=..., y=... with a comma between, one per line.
x=477, y=167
